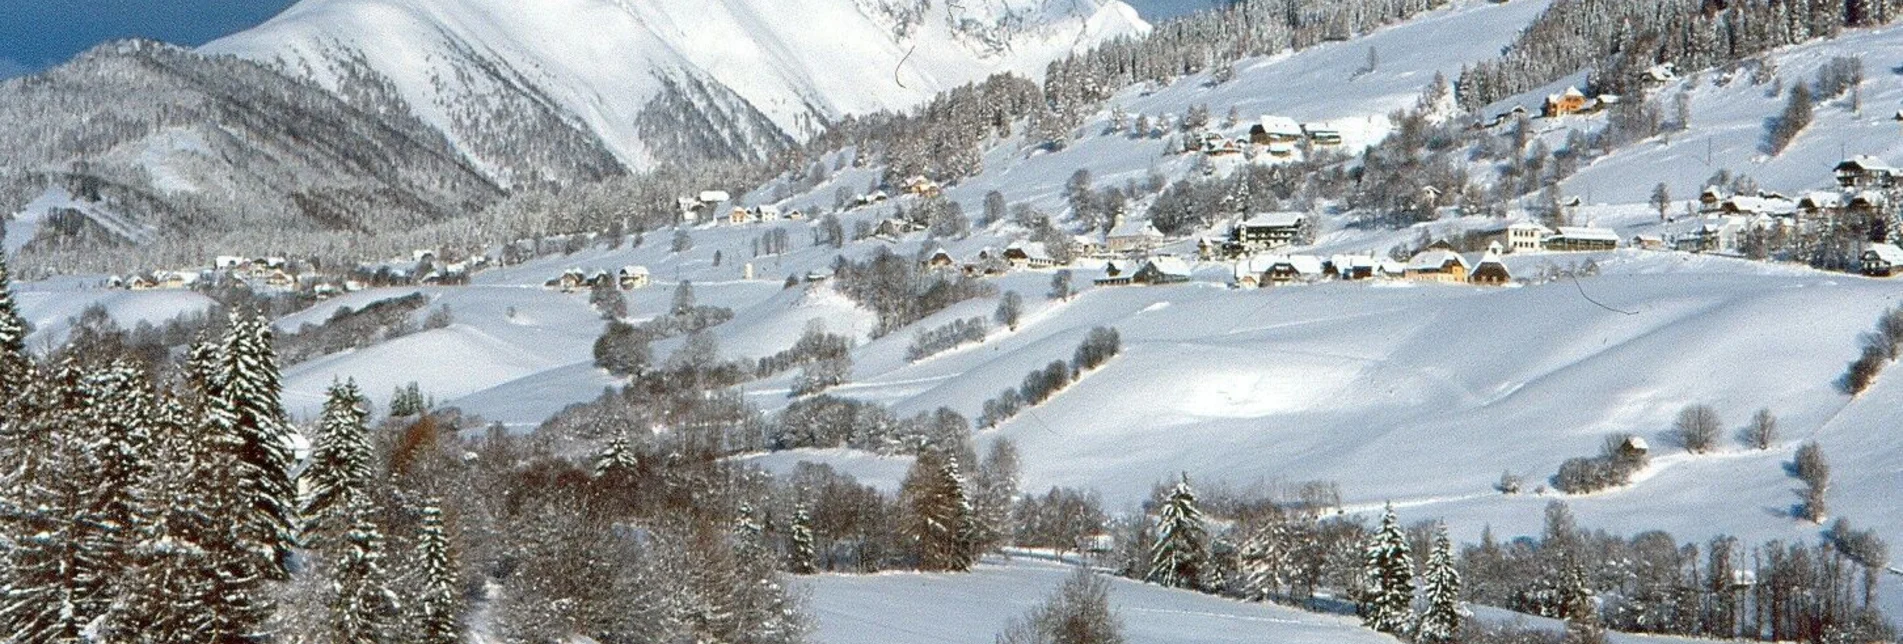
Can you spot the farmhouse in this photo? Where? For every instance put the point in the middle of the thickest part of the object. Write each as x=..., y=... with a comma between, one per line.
x=1571, y=101
x=1268, y=231
x=569, y=281
x=1820, y=204
x=739, y=216
x=1437, y=266
x=1023, y=254
x=1518, y=237
x=633, y=277
x=1162, y=270
x=1865, y=171
x=1275, y=129
x=1266, y=269
x=1132, y=236
x=1882, y=260
x=1582, y=238
x=920, y=186
x=1773, y=206
x=940, y=258
x=1117, y=273
x=1361, y=267
x=766, y=212
x=1322, y=134
x=1489, y=270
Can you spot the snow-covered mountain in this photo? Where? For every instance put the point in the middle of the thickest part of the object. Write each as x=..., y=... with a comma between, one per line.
x=660, y=80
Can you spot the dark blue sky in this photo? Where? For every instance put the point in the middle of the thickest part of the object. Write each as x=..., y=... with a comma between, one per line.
x=35, y=34
x=39, y=33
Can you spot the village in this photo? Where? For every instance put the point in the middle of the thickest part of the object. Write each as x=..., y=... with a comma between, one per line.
x=1262, y=249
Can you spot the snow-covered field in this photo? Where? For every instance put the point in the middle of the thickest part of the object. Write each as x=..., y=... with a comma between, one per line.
x=1422, y=395
x=972, y=608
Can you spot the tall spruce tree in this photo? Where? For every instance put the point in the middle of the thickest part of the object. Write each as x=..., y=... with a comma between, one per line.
x=247, y=424
x=172, y=593
x=940, y=521
x=15, y=366
x=801, y=557
x=339, y=470
x=363, y=608
x=1180, y=554
x=1440, y=619
x=1387, y=572
x=438, y=608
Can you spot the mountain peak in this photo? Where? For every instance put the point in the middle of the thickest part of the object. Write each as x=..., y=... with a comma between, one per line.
x=762, y=75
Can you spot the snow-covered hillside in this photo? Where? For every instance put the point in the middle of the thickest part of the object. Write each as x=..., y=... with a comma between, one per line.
x=758, y=72
x=973, y=607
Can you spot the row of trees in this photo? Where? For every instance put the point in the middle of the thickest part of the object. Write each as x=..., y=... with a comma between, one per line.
x=1621, y=39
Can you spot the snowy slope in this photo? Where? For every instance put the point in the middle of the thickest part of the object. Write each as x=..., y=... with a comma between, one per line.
x=1729, y=124
x=973, y=607
x=600, y=63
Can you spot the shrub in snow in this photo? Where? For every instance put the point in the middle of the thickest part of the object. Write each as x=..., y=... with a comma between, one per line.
x=1078, y=613
x=1697, y=428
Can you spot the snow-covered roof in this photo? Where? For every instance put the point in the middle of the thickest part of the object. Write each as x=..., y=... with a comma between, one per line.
x=1889, y=253
x=634, y=270
x=1265, y=262
x=1275, y=220
x=767, y=210
x=1866, y=163
x=1433, y=260
x=1588, y=233
x=1033, y=250
x=1135, y=228
x=1169, y=265
x=714, y=196
x=1821, y=199
x=1530, y=225
x=1280, y=125
x=1765, y=205
x=1870, y=197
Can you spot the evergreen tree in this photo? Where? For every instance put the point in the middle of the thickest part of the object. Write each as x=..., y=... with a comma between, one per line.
x=801, y=557
x=175, y=588
x=438, y=607
x=1180, y=554
x=617, y=458
x=939, y=515
x=1440, y=620
x=362, y=609
x=1264, y=560
x=247, y=425
x=15, y=366
x=340, y=461
x=1576, y=605
x=1387, y=571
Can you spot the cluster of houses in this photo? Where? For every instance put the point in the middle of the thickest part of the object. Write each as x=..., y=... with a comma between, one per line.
x=284, y=275
x=627, y=278
x=693, y=209
x=268, y=272
x=1864, y=189
x=1279, y=136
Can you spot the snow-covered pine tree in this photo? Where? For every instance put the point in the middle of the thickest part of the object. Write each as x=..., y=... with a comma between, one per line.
x=173, y=592
x=1181, y=551
x=801, y=558
x=1440, y=618
x=339, y=469
x=1387, y=571
x=939, y=517
x=1576, y=605
x=617, y=458
x=1265, y=560
x=438, y=608
x=246, y=423
x=14, y=363
x=363, y=608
